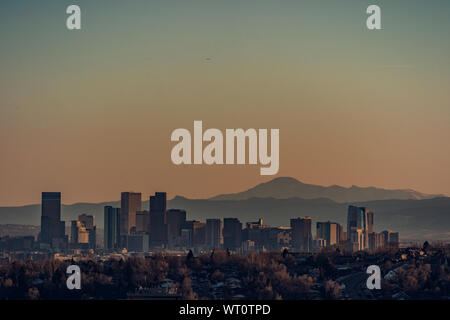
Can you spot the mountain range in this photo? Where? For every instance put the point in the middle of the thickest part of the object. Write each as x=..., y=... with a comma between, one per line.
x=415, y=215
x=285, y=187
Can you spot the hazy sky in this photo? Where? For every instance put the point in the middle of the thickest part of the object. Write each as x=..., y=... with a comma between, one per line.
x=90, y=113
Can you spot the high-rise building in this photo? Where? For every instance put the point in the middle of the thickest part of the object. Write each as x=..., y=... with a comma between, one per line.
x=358, y=227
x=232, y=233
x=357, y=240
x=301, y=234
x=254, y=232
x=214, y=233
x=369, y=221
x=187, y=232
x=390, y=239
x=130, y=203
x=83, y=232
x=375, y=241
x=112, y=228
x=88, y=222
x=52, y=228
x=158, y=202
x=276, y=239
x=175, y=220
x=342, y=234
x=79, y=235
x=319, y=244
x=74, y=231
x=158, y=223
x=199, y=234
x=142, y=221
x=185, y=239
x=330, y=232
x=394, y=239
x=137, y=242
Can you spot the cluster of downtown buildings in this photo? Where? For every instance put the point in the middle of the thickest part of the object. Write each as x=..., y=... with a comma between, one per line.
x=136, y=230
x=159, y=228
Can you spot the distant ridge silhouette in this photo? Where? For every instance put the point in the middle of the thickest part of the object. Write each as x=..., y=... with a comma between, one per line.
x=287, y=187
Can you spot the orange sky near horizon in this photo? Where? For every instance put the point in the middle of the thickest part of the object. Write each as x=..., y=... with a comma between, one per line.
x=90, y=114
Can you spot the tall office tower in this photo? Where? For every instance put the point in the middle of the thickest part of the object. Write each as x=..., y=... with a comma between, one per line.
x=394, y=239
x=198, y=234
x=158, y=223
x=158, y=202
x=301, y=234
x=390, y=239
x=74, y=230
x=175, y=220
x=342, y=235
x=112, y=228
x=186, y=238
x=254, y=232
x=358, y=228
x=89, y=223
x=214, y=233
x=375, y=241
x=276, y=239
x=369, y=221
x=87, y=220
x=52, y=228
x=83, y=232
x=328, y=231
x=187, y=231
x=79, y=235
x=130, y=203
x=232, y=233
x=142, y=221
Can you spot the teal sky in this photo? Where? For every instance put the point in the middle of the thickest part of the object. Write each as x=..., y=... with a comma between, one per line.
x=90, y=112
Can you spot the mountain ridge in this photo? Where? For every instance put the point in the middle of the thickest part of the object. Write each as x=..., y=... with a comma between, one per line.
x=288, y=187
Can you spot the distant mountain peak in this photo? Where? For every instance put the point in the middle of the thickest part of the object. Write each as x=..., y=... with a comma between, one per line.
x=288, y=187
x=177, y=197
x=285, y=179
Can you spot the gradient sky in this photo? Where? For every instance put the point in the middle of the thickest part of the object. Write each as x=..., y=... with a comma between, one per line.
x=90, y=113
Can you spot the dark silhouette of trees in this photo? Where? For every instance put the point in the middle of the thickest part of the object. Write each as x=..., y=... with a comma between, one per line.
x=266, y=275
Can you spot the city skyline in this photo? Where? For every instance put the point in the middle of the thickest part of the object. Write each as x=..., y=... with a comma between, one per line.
x=133, y=229
x=90, y=112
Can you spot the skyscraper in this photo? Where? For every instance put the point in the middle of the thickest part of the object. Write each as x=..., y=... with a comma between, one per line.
x=375, y=241
x=130, y=203
x=198, y=234
x=52, y=228
x=214, y=233
x=232, y=233
x=390, y=238
x=369, y=221
x=328, y=231
x=87, y=221
x=301, y=234
x=254, y=232
x=143, y=221
x=83, y=232
x=158, y=223
x=112, y=228
x=175, y=220
x=359, y=219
